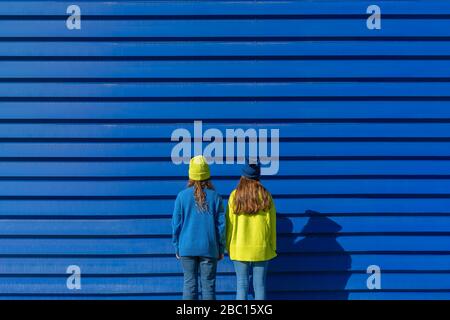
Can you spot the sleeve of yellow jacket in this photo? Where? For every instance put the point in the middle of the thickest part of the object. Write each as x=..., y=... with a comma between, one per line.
x=273, y=225
x=229, y=222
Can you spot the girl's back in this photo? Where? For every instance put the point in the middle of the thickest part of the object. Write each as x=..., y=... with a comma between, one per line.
x=198, y=226
x=251, y=231
x=198, y=235
x=251, y=236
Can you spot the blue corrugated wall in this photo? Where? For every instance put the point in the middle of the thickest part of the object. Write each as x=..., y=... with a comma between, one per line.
x=86, y=117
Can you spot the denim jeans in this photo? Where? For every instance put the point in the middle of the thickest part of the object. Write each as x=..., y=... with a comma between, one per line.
x=191, y=268
x=259, y=279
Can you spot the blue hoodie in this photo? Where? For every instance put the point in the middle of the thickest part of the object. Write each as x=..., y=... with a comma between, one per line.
x=196, y=233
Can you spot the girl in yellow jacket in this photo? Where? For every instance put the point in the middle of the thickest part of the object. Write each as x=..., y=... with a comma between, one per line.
x=251, y=231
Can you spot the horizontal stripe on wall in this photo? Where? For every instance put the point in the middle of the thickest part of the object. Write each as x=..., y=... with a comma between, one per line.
x=289, y=295
x=169, y=50
x=315, y=225
x=235, y=111
x=155, y=265
x=369, y=169
x=139, y=245
x=224, y=28
x=307, y=282
x=204, y=50
x=161, y=131
x=148, y=151
x=400, y=205
x=321, y=70
x=287, y=130
x=208, y=7
x=220, y=91
x=292, y=187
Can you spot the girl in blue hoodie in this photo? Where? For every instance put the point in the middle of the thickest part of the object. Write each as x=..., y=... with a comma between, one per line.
x=198, y=225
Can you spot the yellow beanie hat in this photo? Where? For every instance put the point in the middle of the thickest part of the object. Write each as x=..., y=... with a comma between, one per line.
x=199, y=169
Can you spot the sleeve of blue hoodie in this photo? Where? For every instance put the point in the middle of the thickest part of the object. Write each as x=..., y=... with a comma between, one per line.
x=177, y=221
x=220, y=224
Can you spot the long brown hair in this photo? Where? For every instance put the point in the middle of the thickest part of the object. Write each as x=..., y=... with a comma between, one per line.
x=251, y=197
x=199, y=192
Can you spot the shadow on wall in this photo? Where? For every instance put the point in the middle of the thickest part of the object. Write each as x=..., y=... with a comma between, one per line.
x=309, y=276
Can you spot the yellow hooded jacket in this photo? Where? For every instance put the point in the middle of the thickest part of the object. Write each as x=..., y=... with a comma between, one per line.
x=251, y=237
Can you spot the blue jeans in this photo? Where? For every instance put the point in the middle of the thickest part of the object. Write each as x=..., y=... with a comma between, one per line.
x=259, y=279
x=191, y=267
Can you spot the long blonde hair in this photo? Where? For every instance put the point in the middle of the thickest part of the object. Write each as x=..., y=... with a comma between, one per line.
x=251, y=197
x=199, y=193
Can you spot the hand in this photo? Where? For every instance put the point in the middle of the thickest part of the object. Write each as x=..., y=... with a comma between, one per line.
x=220, y=257
x=176, y=255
